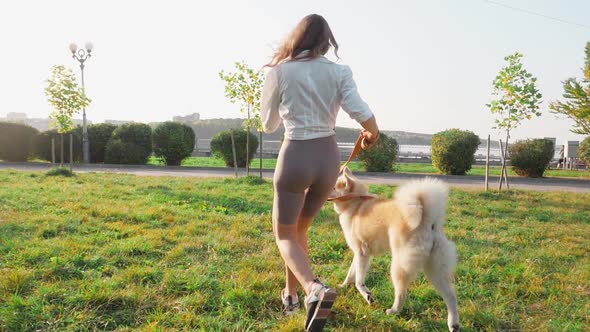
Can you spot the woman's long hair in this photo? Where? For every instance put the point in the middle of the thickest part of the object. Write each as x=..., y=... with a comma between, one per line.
x=313, y=34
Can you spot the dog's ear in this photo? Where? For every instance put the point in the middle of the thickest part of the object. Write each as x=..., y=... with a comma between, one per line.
x=347, y=171
x=349, y=181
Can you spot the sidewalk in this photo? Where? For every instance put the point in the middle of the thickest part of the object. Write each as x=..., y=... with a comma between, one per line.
x=469, y=182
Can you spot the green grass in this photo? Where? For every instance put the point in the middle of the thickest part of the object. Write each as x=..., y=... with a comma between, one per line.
x=357, y=166
x=108, y=251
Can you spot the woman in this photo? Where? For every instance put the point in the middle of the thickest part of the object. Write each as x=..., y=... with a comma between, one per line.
x=305, y=90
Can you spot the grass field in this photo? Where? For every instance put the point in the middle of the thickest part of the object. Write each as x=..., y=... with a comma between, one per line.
x=357, y=166
x=120, y=252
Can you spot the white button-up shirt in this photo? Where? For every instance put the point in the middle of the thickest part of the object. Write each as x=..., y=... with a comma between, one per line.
x=307, y=95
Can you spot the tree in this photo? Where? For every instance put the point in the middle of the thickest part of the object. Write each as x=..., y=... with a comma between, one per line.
x=584, y=150
x=577, y=96
x=66, y=98
x=244, y=87
x=517, y=99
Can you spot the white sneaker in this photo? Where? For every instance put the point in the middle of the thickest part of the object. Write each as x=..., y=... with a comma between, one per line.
x=318, y=304
x=290, y=305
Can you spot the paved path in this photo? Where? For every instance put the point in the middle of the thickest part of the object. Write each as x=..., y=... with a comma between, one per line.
x=473, y=182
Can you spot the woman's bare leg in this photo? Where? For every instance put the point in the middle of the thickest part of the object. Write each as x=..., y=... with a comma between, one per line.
x=291, y=281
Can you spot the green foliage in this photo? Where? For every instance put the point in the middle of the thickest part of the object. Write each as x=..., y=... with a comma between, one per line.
x=130, y=144
x=98, y=136
x=584, y=150
x=531, y=157
x=65, y=97
x=221, y=147
x=173, y=142
x=59, y=171
x=15, y=141
x=380, y=157
x=577, y=99
x=517, y=95
x=41, y=144
x=452, y=151
x=244, y=87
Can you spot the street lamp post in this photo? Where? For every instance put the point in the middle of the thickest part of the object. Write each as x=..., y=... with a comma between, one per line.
x=82, y=55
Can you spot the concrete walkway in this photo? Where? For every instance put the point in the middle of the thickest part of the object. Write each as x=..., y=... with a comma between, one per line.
x=470, y=182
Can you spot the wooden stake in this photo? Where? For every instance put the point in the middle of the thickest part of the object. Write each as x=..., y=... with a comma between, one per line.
x=71, y=152
x=504, y=162
x=53, y=151
x=504, y=172
x=502, y=168
x=487, y=163
x=260, y=153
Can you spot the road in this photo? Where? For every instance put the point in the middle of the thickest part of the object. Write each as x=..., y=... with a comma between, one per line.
x=469, y=182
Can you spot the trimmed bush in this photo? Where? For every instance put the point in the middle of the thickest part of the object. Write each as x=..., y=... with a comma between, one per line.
x=221, y=147
x=453, y=150
x=15, y=141
x=130, y=144
x=173, y=142
x=380, y=157
x=531, y=157
x=584, y=150
x=42, y=145
x=59, y=171
x=99, y=135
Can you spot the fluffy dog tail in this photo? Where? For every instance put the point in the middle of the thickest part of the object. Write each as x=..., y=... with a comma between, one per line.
x=423, y=201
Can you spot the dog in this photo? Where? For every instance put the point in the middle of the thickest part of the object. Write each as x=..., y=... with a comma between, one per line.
x=410, y=226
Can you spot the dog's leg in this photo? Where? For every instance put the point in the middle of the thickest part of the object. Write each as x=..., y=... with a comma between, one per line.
x=351, y=273
x=362, y=266
x=401, y=281
x=439, y=270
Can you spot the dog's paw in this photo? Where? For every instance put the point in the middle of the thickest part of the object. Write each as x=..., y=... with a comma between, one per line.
x=369, y=298
x=455, y=328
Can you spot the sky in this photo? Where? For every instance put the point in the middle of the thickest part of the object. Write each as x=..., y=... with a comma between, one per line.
x=422, y=66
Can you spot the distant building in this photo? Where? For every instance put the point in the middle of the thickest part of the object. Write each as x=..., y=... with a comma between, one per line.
x=187, y=118
x=118, y=122
x=13, y=116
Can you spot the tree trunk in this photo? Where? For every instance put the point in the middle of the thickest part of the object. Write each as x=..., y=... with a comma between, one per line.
x=501, y=165
x=260, y=153
x=61, y=152
x=71, y=152
x=233, y=150
x=506, y=157
x=248, y=144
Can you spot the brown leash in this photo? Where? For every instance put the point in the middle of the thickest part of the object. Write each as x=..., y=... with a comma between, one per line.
x=348, y=197
x=355, y=151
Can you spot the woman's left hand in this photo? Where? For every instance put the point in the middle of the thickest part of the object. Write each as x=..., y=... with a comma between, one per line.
x=369, y=139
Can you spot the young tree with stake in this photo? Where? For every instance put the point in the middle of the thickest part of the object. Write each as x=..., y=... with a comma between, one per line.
x=244, y=87
x=517, y=99
x=66, y=98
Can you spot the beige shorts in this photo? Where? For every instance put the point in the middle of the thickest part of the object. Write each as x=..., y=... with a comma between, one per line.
x=304, y=178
